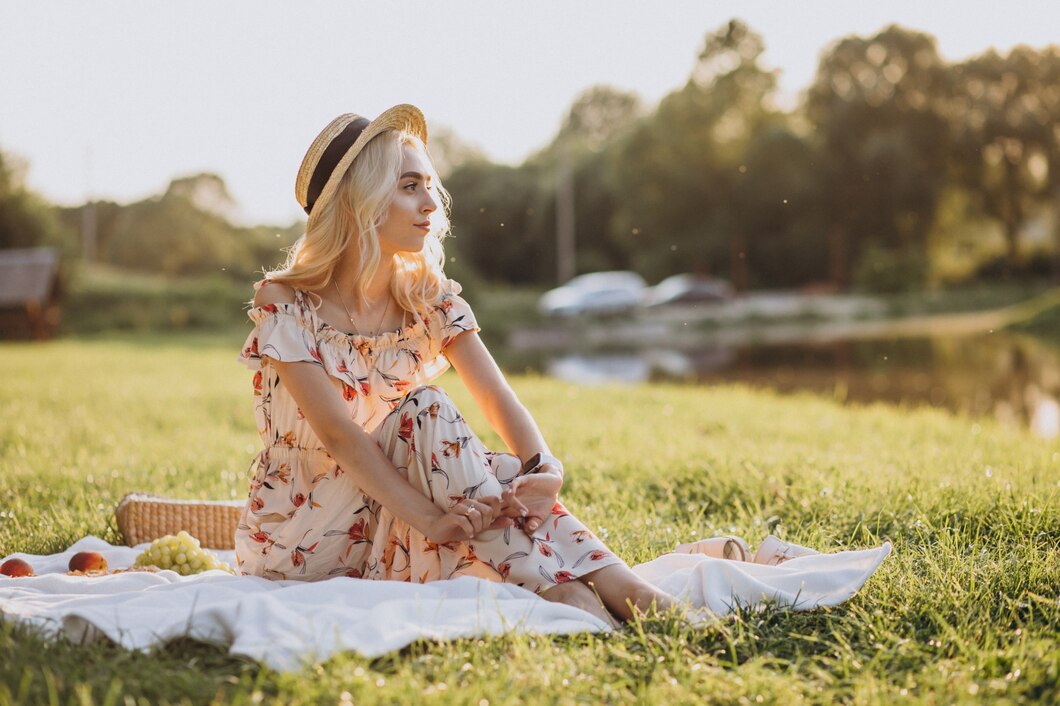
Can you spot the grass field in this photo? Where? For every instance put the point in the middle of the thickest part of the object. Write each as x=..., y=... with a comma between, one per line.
x=965, y=611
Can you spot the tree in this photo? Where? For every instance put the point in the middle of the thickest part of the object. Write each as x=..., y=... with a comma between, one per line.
x=1005, y=111
x=775, y=199
x=26, y=220
x=575, y=180
x=448, y=151
x=596, y=117
x=493, y=217
x=882, y=143
x=678, y=168
x=504, y=219
x=206, y=192
x=185, y=231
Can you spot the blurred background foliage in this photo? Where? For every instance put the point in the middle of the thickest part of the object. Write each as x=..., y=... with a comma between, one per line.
x=895, y=171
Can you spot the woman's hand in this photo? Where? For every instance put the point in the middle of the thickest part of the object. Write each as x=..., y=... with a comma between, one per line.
x=470, y=517
x=538, y=492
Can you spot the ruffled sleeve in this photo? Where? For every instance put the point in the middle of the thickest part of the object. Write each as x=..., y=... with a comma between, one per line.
x=449, y=318
x=280, y=333
x=454, y=315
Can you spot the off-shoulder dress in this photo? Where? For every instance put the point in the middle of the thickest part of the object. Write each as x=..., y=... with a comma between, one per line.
x=305, y=517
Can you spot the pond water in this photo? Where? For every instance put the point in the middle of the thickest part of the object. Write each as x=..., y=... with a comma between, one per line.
x=1013, y=378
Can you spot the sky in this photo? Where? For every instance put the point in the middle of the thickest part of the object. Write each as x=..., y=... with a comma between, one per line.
x=113, y=99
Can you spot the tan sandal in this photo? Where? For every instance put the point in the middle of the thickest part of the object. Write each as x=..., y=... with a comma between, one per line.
x=732, y=548
x=774, y=550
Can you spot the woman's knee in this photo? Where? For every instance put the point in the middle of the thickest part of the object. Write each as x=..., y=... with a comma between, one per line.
x=421, y=404
x=428, y=427
x=424, y=396
x=426, y=403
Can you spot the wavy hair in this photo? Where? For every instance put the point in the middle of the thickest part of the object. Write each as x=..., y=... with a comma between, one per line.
x=353, y=218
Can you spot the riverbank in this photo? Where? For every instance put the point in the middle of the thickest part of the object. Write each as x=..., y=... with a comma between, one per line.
x=102, y=300
x=1043, y=321
x=773, y=318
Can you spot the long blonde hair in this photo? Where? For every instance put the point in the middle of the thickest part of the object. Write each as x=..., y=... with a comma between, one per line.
x=356, y=213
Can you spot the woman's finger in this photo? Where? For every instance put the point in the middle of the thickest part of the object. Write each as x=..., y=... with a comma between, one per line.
x=465, y=507
x=485, y=511
x=506, y=506
x=493, y=502
x=465, y=518
x=502, y=522
x=514, y=507
x=478, y=514
x=478, y=520
x=467, y=527
x=486, y=518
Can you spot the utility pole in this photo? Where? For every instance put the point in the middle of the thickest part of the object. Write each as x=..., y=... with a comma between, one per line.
x=89, y=222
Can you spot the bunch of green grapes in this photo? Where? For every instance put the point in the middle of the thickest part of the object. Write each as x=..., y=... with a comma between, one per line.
x=181, y=553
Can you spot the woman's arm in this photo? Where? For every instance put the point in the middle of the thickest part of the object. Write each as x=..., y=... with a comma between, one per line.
x=539, y=492
x=358, y=454
x=495, y=397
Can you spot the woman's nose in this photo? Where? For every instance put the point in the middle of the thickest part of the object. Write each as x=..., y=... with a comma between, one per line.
x=430, y=205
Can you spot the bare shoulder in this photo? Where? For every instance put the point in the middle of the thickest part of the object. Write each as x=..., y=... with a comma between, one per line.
x=274, y=293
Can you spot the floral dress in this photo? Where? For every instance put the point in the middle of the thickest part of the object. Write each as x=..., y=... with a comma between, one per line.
x=306, y=518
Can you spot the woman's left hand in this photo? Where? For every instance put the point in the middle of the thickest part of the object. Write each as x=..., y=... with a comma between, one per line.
x=539, y=492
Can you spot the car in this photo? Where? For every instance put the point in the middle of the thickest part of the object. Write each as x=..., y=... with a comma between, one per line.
x=594, y=293
x=688, y=289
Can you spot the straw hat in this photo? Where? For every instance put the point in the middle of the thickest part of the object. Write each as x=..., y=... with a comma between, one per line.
x=338, y=144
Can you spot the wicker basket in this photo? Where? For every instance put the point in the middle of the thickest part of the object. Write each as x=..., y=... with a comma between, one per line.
x=145, y=518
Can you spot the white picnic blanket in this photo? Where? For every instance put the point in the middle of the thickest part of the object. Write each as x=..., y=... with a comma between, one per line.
x=287, y=624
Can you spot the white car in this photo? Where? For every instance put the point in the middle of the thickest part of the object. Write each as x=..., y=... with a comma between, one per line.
x=596, y=293
x=688, y=289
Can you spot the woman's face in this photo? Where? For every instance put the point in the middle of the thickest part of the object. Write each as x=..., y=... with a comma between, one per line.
x=408, y=220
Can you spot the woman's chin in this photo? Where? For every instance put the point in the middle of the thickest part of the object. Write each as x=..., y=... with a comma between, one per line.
x=410, y=247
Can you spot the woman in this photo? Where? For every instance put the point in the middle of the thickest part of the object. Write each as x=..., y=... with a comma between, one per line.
x=368, y=470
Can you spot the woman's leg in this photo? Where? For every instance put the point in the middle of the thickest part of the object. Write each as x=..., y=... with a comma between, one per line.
x=626, y=594
x=577, y=594
x=431, y=446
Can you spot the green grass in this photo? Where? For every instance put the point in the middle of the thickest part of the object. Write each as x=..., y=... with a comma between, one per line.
x=965, y=610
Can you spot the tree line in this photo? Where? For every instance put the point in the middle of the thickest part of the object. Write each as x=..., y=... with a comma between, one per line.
x=894, y=169
x=184, y=231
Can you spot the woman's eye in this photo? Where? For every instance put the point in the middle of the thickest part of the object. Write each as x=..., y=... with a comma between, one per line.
x=411, y=186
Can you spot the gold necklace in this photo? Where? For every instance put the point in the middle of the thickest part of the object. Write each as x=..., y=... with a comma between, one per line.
x=350, y=316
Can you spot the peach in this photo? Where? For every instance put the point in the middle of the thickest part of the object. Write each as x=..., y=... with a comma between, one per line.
x=16, y=567
x=88, y=561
